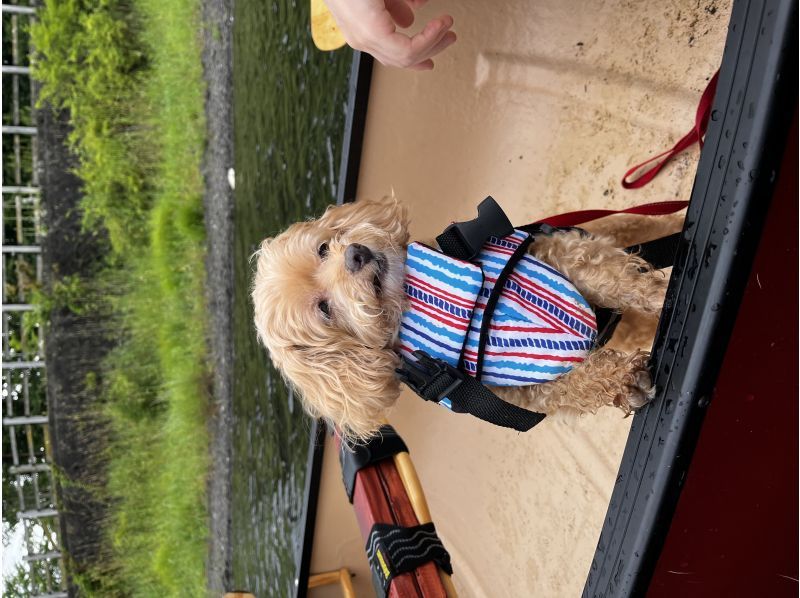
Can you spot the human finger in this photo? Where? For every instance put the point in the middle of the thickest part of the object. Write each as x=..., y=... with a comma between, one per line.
x=425, y=65
x=406, y=52
x=400, y=12
x=448, y=39
x=424, y=41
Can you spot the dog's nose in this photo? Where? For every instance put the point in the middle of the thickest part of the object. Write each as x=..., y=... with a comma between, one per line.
x=356, y=257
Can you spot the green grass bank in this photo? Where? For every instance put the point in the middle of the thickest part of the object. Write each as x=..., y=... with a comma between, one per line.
x=130, y=74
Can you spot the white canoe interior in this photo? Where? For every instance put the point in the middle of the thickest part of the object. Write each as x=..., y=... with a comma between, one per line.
x=543, y=105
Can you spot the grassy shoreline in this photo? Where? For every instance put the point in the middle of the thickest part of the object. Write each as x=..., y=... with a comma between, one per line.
x=131, y=76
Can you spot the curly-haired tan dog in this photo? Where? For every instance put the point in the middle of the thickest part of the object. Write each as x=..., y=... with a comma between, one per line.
x=328, y=297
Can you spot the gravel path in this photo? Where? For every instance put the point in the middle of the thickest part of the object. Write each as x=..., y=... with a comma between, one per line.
x=218, y=203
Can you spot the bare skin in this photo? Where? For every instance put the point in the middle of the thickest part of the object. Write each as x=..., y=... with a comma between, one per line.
x=371, y=26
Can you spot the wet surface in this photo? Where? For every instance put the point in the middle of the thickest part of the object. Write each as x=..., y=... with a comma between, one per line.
x=544, y=106
x=289, y=106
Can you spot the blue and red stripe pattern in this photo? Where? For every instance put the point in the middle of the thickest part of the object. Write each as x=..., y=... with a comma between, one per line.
x=441, y=293
x=541, y=326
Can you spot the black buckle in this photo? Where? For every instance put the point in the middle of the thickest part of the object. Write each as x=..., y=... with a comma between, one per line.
x=491, y=222
x=539, y=228
x=544, y=229
x=428, y=371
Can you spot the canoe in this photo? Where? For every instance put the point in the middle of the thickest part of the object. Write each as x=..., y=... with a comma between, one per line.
x=545, y=107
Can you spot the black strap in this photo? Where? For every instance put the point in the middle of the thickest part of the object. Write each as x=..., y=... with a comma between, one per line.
x=607, y=320
x=393, y=550
x=386, y=443
x=435, y=380
x=660, y=253
x=542, y=228
x=476, y=399
x=463, y=240
x=491, y=302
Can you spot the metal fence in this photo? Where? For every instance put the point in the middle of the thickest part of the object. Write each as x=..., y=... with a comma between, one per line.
x=25, y=432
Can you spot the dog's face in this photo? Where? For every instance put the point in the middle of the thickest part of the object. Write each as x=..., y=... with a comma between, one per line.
x=328, y=296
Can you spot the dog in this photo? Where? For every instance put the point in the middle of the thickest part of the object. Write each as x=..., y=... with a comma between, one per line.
x=328, y=297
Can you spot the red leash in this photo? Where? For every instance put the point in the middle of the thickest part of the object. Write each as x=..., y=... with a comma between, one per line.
x=694, y=136
x=659, y=208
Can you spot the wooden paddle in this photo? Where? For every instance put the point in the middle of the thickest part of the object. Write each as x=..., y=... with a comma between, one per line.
x=324, y=32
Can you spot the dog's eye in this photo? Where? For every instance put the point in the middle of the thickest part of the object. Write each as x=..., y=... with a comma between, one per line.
x=324, y=308
x=322, y=250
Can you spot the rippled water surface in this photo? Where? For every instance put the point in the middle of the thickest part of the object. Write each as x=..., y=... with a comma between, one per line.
x=289, y=106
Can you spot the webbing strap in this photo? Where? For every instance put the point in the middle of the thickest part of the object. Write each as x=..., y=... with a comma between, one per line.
x=658, y=208
x=436, y=380
x=476, y=399
x=494, y=297
x=386, y=443
x=692, y=137
x=393, y=550
x=659, y=253
x=607, y=321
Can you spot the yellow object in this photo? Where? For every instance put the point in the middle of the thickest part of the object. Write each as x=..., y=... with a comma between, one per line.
x=408, y=475
x=384, y=566
x=413, y=487
x=342, y=576
x=324, y=32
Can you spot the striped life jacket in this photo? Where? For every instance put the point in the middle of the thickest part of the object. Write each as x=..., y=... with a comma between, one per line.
x=540, y=327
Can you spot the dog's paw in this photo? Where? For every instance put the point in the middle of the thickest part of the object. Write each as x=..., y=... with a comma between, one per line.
x=642, y=390
x=637, y=387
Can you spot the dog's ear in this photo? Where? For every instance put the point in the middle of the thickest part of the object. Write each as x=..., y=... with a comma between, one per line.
x=349, y=385
x=386, y=214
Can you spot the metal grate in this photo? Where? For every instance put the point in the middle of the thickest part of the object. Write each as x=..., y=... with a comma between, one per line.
x=24, y=414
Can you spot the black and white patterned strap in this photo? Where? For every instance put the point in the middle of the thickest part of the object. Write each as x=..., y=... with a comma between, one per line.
x=393, y=550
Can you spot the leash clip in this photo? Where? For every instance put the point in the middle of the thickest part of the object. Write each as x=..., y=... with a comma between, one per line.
x=427, y=375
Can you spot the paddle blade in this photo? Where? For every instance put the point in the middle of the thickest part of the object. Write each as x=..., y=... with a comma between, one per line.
x=324, y=32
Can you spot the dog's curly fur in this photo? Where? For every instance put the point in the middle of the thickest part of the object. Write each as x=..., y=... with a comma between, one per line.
x=331, y=331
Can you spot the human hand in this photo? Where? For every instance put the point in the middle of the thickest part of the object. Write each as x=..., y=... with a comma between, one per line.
x=371, y=26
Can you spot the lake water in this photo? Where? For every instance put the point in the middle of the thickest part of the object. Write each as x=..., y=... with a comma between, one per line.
x=289, y=107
